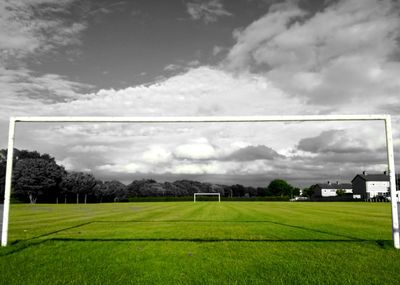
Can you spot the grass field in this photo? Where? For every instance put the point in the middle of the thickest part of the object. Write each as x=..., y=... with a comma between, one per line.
x=201, y=243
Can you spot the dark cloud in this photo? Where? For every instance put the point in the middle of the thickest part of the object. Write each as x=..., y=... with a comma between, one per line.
x=253, y=153
x=332, y=141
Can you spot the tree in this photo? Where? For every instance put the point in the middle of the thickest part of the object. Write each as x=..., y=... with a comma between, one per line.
x=308, y=192
x=279, y=187
x=340, y=192
x=261, y=191
x=116, y=190
x=36, y=176
x=99, y=190
x=18, y=155
x=3, y=164
x=238, y=190
x=78, y=183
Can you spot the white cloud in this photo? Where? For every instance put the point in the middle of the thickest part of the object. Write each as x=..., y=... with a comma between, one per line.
x=253, y=38
x=172, y=67
x=195, y=151
x=217, y=50
x=208, y=11
x=31, y=27
x=29, y=30
x=48, y=88
x=131, y=167
x=200, y=91
x=91, y=148
x=67, y=163
x=193, y=63
x=197, y=168
x=342, y=56
x=156, y=155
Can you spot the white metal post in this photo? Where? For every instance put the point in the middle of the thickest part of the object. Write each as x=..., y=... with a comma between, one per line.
x=392, y=183
x=207, y=194
x=7, y=191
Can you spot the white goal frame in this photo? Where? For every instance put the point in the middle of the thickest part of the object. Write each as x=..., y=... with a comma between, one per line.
x=206, y=194
x=225, y=119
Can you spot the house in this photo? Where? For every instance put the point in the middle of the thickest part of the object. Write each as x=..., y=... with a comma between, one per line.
x=371, y=185
x=329, y=189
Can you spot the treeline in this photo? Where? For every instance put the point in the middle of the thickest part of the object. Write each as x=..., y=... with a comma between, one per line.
x=37, y=177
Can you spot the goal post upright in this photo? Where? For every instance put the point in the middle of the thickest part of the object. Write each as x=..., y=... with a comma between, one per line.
x=392, y=183
x=7, y=189
x=207, y=119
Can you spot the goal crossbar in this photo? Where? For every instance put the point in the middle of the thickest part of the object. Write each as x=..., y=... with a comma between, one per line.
x=206, y=194
x=207, y=119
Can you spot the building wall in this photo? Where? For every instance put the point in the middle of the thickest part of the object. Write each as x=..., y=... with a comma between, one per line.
x=348, y=191
x=328, y=192
x=332, y=192
x=317, y=191
x=377, y=188
x=359, y=187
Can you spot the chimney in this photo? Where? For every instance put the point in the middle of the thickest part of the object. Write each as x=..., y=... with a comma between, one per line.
x=364, y=172
x=385, y=173
x=329, y=183
x=337, y=182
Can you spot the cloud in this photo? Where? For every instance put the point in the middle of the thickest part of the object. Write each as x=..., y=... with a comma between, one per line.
x=181, y=67
x=203, y=149
x=156, y=155
x=355, y=139
x=217, y=50
x=208, y=12
x=197, y=168
x=258, y=34
x=172, y=67
x=36, y=27
x=91, y=148
x=348, y=151
x=195, y=151
x=342, y=56
x=48, y=88
x=29, y=30
x=251, y=153
x=334, y=141
x=200, y=91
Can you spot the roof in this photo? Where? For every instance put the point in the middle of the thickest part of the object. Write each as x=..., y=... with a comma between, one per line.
x=372, y=177
x=335, y=186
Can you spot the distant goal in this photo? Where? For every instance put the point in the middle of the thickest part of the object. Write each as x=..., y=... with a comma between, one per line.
x=206, y=194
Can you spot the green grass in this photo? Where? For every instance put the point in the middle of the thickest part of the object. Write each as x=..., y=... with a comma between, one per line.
x=201, y=243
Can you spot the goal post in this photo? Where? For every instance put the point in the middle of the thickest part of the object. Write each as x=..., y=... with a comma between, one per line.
x=223, y=119
x=206, y=194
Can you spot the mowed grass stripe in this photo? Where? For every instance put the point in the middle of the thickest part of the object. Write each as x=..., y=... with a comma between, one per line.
x=201, y=243
x=330, y=219
x=196, y=221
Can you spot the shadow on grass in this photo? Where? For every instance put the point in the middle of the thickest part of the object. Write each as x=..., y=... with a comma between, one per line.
x=20, y=245
x=201, y=240
x=60, y=230
x=236, y=222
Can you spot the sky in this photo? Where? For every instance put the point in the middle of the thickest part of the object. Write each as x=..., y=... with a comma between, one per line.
x=203, y=58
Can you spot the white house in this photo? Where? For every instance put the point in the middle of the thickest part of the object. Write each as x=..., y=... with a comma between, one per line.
x=371, y=185
x=330, y=189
